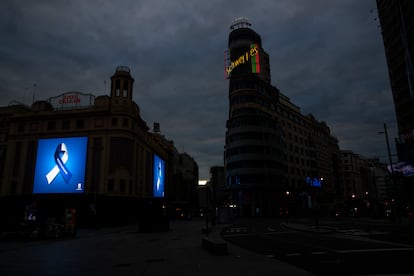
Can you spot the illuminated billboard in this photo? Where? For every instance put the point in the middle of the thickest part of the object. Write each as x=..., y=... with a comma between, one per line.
x=251, y=55
x=60, y=165
x=158, y=177
x=72, y=100
x=405, y=168
x=314, y=182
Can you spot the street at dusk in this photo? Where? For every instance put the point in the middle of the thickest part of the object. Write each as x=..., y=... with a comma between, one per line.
x=339, y=247
x=231, y=138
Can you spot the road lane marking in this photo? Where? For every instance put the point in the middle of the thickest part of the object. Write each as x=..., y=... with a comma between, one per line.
x=319, y=253
x=375, y=250
x=293, y=255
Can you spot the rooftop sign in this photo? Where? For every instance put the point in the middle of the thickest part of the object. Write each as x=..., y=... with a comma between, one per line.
x=72, y=100
x=251, y=55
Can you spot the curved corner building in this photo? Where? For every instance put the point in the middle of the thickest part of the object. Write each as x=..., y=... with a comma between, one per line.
x=254, y=151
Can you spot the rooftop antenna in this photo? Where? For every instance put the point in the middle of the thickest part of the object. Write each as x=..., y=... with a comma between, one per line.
x=34, y=92
x=240, y=22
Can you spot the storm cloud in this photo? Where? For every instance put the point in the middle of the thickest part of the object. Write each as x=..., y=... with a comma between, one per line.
x=326, y=56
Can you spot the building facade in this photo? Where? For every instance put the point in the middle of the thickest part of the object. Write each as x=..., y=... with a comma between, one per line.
x=397, y=27
x=368, y=186
x=271, y=149
x=120, y=174
x=183, y=196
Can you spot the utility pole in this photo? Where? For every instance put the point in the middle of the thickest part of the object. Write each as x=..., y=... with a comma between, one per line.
x=388, y=148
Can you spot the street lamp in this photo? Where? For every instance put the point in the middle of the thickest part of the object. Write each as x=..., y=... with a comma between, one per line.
x=389, y=155
x=287, y=193
x=388, y=146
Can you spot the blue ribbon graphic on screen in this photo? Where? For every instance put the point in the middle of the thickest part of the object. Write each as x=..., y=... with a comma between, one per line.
x=61, y=157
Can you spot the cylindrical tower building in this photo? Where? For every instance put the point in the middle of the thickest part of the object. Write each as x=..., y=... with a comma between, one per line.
x=254, y=151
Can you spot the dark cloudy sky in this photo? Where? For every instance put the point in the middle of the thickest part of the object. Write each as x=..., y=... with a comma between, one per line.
x=326, y=56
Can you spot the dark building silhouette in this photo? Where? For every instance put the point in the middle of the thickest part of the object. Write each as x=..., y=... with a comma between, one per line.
x=183, y=197
x=271, y=149
x=397, y=28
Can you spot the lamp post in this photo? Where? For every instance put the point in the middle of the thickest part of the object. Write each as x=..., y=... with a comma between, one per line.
x=287, y=193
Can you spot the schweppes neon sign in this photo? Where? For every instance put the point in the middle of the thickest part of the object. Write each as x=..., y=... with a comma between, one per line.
x=252, y=56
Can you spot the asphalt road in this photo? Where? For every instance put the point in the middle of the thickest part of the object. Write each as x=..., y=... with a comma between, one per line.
x=353, y=247
x=124, y=251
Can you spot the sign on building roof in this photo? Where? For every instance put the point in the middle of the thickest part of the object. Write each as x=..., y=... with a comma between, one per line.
x=72, y=100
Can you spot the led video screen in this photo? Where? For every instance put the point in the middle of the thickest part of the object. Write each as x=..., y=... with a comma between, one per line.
x=158, y=176
x=314, y=182
x=60, y=165
x=405, y=168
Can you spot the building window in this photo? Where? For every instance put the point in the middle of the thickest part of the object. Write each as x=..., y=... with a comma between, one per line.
x=34, y=126
x=51, y=125
x=130, y=187
x=122, y=186
x=66, y=124
x=125, y=122
x=117, y=88
x=80, y=123
x=110, y=185
x=20, y=127
x=13, y=188
x=99, y=123
x=121, y=152
x=125, y=89
x=114, y=121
